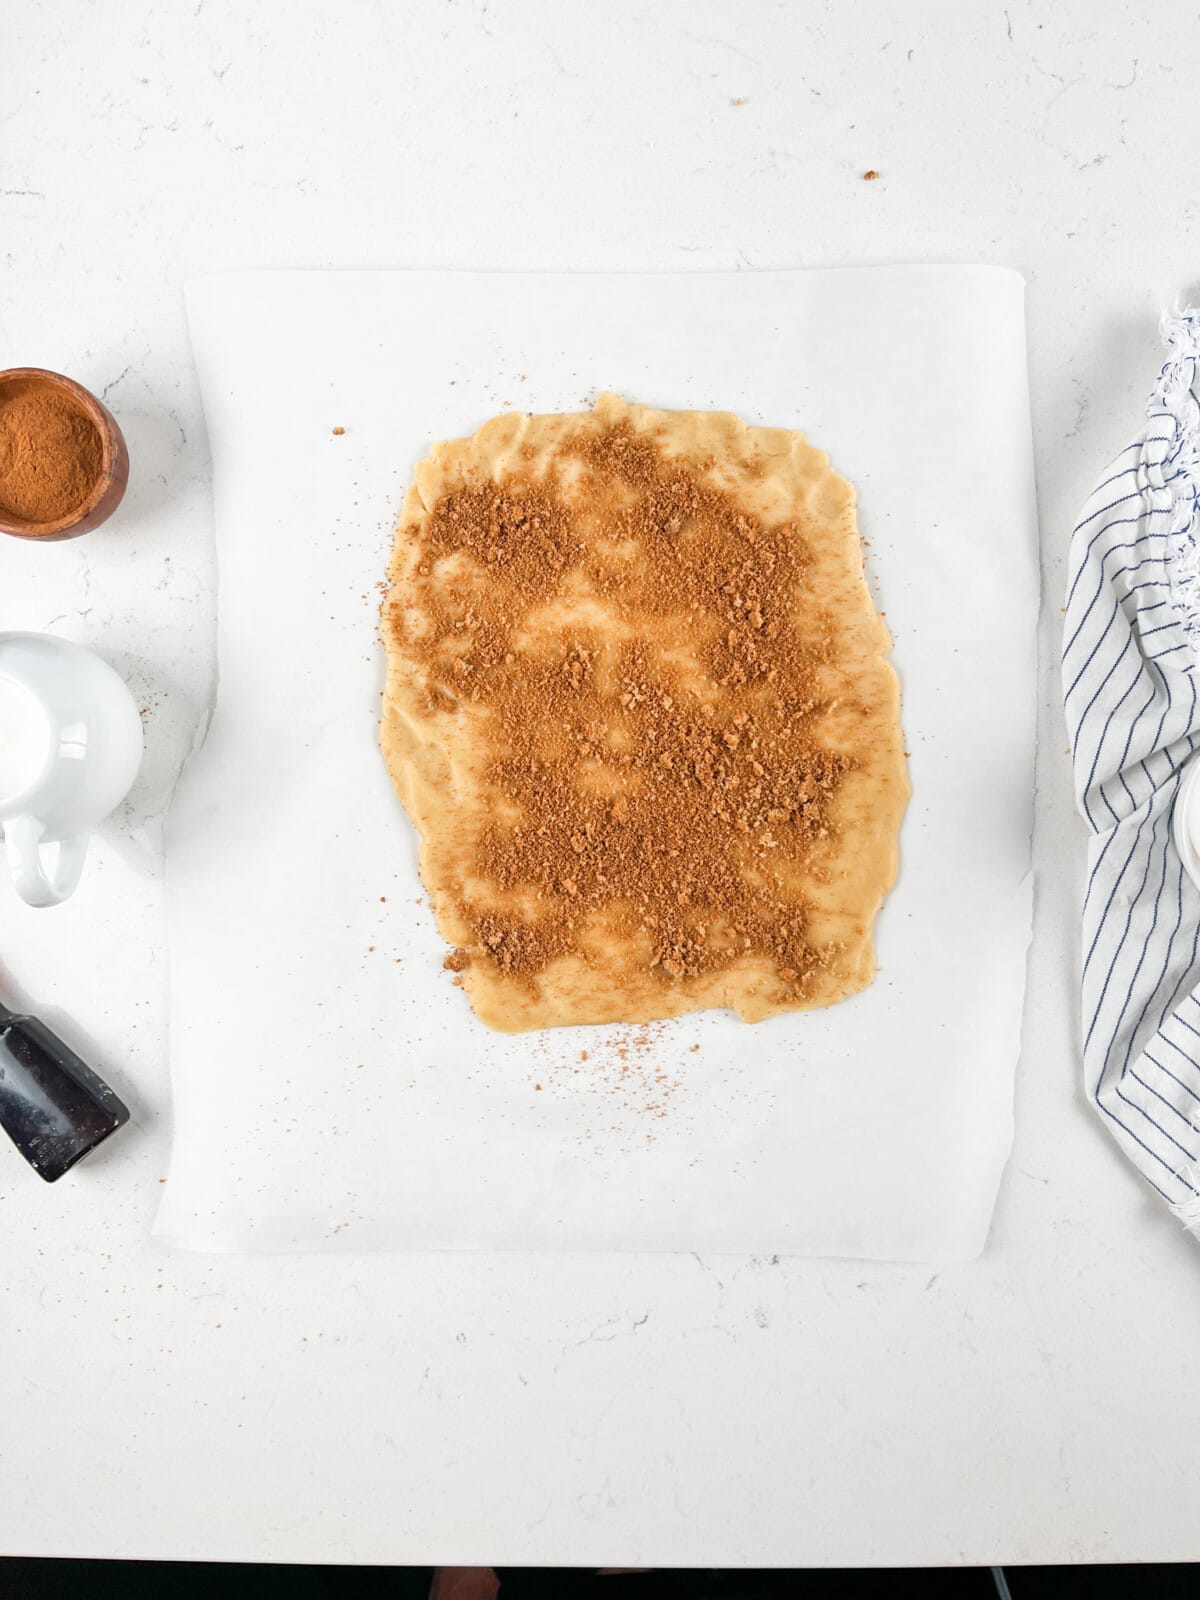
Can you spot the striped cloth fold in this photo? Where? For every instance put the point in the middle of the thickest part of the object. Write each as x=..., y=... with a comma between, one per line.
x=1130, y=690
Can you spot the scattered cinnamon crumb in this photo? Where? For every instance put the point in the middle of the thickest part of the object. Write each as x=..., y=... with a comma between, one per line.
x=625, y=1072
x=456, y=961
x=870, y=175
x=338, y=432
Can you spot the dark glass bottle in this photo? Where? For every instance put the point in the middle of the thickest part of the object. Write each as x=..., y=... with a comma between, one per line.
x=52, y=1105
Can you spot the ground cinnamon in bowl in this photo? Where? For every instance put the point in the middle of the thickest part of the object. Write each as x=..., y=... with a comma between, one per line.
x=64, y=464
x=51, y=453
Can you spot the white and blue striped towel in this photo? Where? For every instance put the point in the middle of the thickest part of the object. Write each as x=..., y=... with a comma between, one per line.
x=1130, y=643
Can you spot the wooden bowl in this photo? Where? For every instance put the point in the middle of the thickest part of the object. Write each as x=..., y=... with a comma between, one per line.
x=109, y=487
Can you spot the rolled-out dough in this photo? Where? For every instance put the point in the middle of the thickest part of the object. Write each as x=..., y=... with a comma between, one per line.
x=710, y=710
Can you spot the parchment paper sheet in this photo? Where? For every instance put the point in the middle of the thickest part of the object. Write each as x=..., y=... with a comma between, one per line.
x=331, y=1087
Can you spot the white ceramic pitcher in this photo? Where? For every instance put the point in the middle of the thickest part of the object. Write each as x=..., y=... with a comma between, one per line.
x=70, y=746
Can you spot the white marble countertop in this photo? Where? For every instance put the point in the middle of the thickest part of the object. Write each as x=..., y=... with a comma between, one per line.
x=1040, y=1404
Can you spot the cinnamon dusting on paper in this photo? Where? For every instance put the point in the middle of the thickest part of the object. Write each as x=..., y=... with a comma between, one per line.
x=624, y=1073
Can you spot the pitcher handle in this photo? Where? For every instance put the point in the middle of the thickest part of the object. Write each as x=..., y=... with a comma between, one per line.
x=35, y=885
